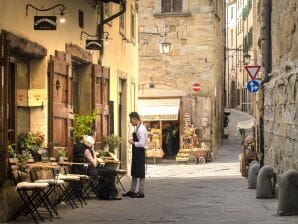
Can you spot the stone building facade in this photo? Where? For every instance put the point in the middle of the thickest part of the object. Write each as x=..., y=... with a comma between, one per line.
x=195, y=32
x=281, y=92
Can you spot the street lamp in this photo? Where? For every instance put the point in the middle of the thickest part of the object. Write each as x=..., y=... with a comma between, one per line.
x=246, y=58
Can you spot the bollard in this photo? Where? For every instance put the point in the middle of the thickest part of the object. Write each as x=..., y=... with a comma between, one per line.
x=288, y=193
x=264, y=183
x=253, y=171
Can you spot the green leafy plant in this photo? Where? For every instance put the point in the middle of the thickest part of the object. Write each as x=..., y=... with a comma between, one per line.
x=113, y=142
x=25, y=155
x=62, y=151
x=30, y=141
x=11, y=151
x=241, y=132
x=83, y=125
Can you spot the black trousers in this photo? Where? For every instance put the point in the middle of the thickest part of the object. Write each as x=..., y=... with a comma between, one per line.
x=104, y=178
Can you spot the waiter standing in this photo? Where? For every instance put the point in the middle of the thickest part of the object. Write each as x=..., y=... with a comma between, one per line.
x=139, y=144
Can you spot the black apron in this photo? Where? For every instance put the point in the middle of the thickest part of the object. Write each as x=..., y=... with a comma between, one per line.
x=138, y=160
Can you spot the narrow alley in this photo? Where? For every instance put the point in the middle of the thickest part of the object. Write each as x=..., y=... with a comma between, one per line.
x=211, y=193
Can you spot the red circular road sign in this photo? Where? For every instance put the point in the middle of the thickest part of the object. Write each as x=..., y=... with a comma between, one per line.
x=196, y=87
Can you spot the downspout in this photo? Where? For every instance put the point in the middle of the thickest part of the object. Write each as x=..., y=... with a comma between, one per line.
x=103, y=21
x=267, y=67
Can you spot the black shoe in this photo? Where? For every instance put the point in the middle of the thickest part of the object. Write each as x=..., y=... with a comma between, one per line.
x=128, y=194
x=138, y=195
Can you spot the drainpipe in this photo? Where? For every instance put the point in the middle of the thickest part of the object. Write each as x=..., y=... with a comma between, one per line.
x=267, y=66
x=103, y=21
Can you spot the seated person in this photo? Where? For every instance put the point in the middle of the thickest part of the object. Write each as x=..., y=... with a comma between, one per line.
x=103, y=176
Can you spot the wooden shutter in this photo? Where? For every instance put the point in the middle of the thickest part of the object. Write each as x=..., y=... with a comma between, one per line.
x=177, y=5
x=5, y=60
x=97, y=99
x=106, y=99
x=166, y=6
x=60, y=100
x=100, y=100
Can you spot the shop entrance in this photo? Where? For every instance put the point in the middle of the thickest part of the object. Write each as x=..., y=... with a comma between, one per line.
x=164, y=135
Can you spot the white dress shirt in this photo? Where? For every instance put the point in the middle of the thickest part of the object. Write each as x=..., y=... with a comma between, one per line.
x=142, y=136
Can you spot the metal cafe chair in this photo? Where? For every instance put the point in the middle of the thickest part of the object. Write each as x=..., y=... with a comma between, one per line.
x=33, y=195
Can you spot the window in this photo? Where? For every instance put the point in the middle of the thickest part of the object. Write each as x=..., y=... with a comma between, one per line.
x=170, y=6
x=108, y=11
x=232, y=38
x=133, y=25
x=232, y=11
x=122, y=24
x=81, y=19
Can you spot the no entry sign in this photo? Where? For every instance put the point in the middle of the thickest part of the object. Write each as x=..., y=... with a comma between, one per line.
x=196, y=87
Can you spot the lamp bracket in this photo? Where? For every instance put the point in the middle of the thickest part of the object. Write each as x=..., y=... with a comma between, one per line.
x=47, y=9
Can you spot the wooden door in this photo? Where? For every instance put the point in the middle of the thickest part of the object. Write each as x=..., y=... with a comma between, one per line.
x=60, y=100
x=5, y=63
x=100, y=101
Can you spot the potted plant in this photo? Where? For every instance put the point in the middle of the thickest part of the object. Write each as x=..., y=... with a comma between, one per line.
x=83, y=125
x=24, y=156
x=62, y=151
x=31, y=142
x=11, y=151
x=113, y=142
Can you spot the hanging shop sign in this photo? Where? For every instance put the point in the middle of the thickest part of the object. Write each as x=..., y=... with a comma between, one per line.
x=93, y=45
x=45, y=23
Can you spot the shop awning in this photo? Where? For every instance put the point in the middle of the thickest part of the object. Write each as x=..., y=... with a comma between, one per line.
x=159, y=109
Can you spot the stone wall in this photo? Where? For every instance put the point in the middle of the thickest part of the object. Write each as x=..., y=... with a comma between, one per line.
x=281, y=93
x=196, y=56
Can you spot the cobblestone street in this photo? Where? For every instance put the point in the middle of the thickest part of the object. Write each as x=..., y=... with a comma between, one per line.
x=188, y=194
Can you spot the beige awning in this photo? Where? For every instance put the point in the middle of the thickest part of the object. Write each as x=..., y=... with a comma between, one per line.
x=159, y=109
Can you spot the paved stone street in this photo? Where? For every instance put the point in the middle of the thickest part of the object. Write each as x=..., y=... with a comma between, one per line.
x=188, y=194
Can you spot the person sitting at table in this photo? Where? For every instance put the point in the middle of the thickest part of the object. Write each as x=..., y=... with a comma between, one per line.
x=104, y=176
